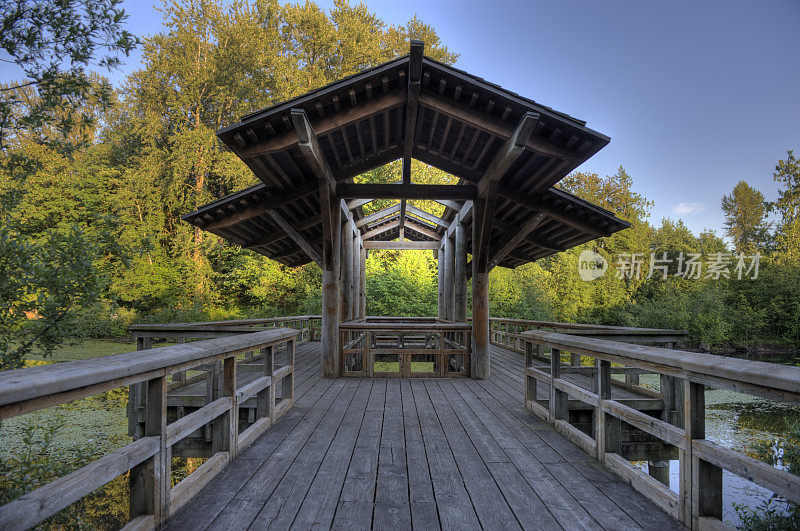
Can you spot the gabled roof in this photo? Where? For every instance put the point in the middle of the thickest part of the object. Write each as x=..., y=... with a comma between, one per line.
x=462, y=123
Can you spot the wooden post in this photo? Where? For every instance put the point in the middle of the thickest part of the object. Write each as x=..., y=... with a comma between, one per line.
x=330, y=300
x=559, y=407
x=136, y=397
x=441, y=281
x=363, y=305
x=530, y=387
x=701, y=481
x=265, y=400
x=346, y=272
x=150, y=481
x=356, y=285
x=460, y=277
x=480, y=324
x=225, y=428
x=449, y=275
x=608, y=428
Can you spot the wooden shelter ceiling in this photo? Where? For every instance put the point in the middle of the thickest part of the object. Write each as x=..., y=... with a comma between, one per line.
x=452, y=120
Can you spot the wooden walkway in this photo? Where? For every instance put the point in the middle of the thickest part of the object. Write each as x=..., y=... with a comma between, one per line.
x=425, y=453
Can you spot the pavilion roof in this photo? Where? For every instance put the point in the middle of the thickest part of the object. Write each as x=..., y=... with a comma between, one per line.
x=452, y=120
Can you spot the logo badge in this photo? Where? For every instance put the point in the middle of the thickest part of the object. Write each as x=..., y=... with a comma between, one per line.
x=591, y=265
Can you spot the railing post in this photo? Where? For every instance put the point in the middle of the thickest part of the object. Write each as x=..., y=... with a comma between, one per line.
x=150, y=481
x=136, y=397
x=701, y=481
x=265, y=399
x=225, y=428
x=530, y=386
x=559, y=407
x=287, y=385
x=607, y=428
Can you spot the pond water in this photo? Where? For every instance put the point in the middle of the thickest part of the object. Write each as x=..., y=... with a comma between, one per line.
x=743, y=423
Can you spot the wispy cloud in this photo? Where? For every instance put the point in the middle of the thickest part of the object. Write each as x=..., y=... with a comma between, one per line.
x=688, y=209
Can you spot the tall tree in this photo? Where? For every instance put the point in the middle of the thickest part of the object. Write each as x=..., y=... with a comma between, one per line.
x=787, y=206
x=745, y=218
x=44, y=118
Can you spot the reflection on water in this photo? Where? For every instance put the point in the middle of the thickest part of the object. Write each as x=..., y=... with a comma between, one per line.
x=740, y=422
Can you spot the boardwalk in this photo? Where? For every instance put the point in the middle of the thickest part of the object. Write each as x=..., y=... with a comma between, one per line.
x=415, y=453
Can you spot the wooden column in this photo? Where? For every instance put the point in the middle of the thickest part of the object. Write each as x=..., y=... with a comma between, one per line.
x=346, y=269
x=440, y=280
x=480, y=293
x=363, y=305
x=356, y=276
x=449, y=275
x=460, y=277
x=329, y=335
x=701, y=481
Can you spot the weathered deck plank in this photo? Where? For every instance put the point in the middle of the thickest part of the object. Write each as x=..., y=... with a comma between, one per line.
x=392, y=453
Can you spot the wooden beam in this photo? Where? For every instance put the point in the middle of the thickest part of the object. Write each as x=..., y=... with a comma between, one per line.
x=412, y=105
x=394, y=245
x=261, y=208
x=449, y=204
x=428, y=216
x=494, y=126
x=380, y=230
x=535, y=203
x=460, y=275
x=403, y=207
x=298, y=238
x=406, y=191
x=512, y=240
x=355, y=203
x=512, y=149
x=329, y=123
x=309, y=145
x=422, y=229
x=377, y=215
x=276, y=236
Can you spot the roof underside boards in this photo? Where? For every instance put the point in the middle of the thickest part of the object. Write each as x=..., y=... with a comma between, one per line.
x=462, y=123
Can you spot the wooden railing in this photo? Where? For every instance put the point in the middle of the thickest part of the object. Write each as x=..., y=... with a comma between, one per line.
x=399, y=348
x=306, y=325
x=152, y=499
x=508, y=332
x=699, y=500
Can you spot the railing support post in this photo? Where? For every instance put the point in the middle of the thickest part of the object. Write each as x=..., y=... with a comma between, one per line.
x=559, y=407
x=150, y=481
x=701, y=481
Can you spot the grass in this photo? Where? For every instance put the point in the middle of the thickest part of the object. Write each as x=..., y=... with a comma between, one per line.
x=393, y=366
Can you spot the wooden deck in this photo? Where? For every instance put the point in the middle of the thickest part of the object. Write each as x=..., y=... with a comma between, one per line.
x=425, y=453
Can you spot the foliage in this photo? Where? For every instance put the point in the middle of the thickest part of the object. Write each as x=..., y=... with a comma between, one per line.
x=52, y=42
x=787, y=206
x=745, y=213
x=40, y=462
x=776, y=513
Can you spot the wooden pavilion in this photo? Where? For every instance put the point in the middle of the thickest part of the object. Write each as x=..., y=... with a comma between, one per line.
x=507, y=152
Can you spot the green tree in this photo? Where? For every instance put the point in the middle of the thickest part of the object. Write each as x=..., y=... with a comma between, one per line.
x=47, y=277
x=787, y=206
x=745, y=218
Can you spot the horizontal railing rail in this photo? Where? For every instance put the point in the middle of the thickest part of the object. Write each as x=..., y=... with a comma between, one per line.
x=152, y=498
x=306, y=325
x=683, y=378
x=508, y=332
x=405, y=349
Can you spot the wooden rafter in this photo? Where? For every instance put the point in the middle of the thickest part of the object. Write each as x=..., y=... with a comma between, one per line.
x=427, y=216
x=505, y=247
x=483, y=210
x=535, y=203
x=378, y=215
x=298, y=238
x=425, y=231
x=325, y=125
x=330, y=206
x=261, y=208
x=377, y=231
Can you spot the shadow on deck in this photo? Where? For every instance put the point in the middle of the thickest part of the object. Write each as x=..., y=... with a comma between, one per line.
x=423, y=453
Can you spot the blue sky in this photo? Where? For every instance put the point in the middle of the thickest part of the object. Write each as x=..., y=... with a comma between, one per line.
x=695, y=95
